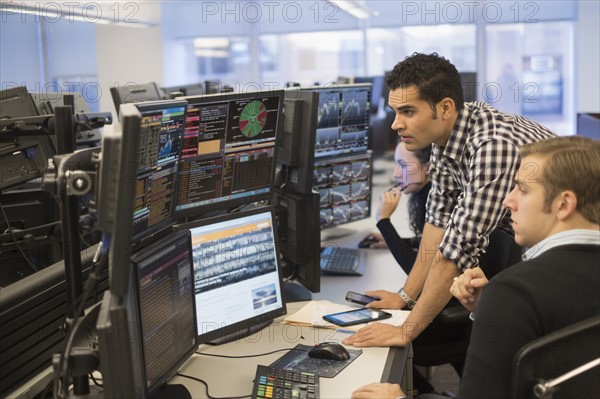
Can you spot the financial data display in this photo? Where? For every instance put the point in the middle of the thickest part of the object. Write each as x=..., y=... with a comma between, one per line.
x=344, y=185
x=343, y=119
x=228, y=149
x=157, y=164
x=236, y=270
x=166, y=306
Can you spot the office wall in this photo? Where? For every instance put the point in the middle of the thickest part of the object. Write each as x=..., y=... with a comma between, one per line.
x=127, y=55
x=20, y=51
x=587, y=61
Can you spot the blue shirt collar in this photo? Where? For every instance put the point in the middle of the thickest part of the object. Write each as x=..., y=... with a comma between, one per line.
x=575, y=236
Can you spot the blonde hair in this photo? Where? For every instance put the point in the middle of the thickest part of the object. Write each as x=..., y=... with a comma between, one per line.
x=572, y=163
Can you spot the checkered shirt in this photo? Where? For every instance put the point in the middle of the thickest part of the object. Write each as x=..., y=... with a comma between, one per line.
x=472, y=175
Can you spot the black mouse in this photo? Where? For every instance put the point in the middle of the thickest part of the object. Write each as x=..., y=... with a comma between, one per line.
x=367, y=241
x=329, y=350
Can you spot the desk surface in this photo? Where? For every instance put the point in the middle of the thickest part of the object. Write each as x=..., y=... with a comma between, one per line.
x=234, y=377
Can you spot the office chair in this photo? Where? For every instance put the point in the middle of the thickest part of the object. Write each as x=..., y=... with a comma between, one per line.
x=540, y=363
x=453, y=321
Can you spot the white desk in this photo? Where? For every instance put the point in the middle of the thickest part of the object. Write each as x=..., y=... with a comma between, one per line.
x=234, y=377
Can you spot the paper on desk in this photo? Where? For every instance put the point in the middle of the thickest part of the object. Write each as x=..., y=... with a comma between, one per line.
x=311, y=315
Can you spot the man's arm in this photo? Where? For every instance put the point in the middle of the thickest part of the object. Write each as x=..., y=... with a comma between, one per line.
x=433, y=274
x=428, y=250
x=430, y=242
x=435, y=295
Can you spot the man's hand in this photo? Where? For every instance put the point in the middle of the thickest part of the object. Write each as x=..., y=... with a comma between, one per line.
x=387, y=205
x=378, y=334
x=467, y=288
x=378, y=390
x=387, y=300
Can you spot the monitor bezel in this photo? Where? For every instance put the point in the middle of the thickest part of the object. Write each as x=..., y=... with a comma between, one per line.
x=161, y=228
x=221, y=203
x=144, y=254
x=241, y=326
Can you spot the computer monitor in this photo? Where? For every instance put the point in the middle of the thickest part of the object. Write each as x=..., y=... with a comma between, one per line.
x=299, y=237
x=32, y=313
x=376, y=89
x=296, y=204
x=237, y=274
x=588, y=124
x=195, y=89
x=343, y=119
x=344, y=185
x=227, y=154
x=296, y=146
x=163, y=304
x=134, y=93
x=385, y=93
x=468, y=81
x=212, y=86
x=22, y=157
x=156, y=169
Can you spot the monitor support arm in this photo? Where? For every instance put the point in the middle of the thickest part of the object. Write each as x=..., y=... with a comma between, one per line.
x=46, y=124
x=70, y=175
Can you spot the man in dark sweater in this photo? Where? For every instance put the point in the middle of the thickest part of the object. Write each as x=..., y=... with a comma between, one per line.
x=555, y=212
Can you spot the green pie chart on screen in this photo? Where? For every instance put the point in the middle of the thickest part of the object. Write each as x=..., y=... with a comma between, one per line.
x=253, y=118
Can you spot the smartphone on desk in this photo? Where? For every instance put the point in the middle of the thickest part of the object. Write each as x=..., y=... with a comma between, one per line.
x=356, y=316
x=361, y=299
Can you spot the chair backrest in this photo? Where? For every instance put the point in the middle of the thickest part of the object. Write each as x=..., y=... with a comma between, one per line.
x=556, y=354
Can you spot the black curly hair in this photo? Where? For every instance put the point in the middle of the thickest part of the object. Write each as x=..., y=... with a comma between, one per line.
x=434, y=76
x=417, y=201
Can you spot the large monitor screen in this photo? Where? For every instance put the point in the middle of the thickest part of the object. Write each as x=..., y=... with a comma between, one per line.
x=165, y=307
x=343, y=119
x=228, y=150
x=157, y=164
x=344, y=185
x=237, y=276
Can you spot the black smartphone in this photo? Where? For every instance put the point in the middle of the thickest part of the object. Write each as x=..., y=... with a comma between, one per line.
x=361, y=299
x=356, y=316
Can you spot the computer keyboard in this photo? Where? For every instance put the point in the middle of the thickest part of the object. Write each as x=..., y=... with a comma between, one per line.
x=271, y=382
x=348, y=261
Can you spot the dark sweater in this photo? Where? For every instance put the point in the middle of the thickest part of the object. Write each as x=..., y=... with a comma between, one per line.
x=526, y=302
x=405, y=249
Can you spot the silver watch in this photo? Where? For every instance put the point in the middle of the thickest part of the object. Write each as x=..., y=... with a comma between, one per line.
x=410, y=303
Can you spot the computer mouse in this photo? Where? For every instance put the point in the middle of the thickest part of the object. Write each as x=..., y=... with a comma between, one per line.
x=330, y=351
x=367, y=241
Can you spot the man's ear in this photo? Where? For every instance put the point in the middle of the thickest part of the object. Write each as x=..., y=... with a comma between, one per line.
x=447, y=107
x=566, y=204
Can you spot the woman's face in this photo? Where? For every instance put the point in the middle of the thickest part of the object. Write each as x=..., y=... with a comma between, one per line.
x=409, y=172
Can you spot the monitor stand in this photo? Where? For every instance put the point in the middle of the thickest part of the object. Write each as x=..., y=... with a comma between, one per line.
x=240, y=333
x=295, y=292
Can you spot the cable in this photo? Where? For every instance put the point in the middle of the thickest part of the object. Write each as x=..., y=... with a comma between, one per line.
x=63, y=370
x=207, y=392
x=96, y=380
x=29, y=262
x=256, y=355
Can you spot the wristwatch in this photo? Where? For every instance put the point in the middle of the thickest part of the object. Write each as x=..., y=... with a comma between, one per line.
x=410, y=303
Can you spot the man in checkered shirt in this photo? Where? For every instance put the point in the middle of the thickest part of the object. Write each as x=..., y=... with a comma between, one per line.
x=473, y=163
